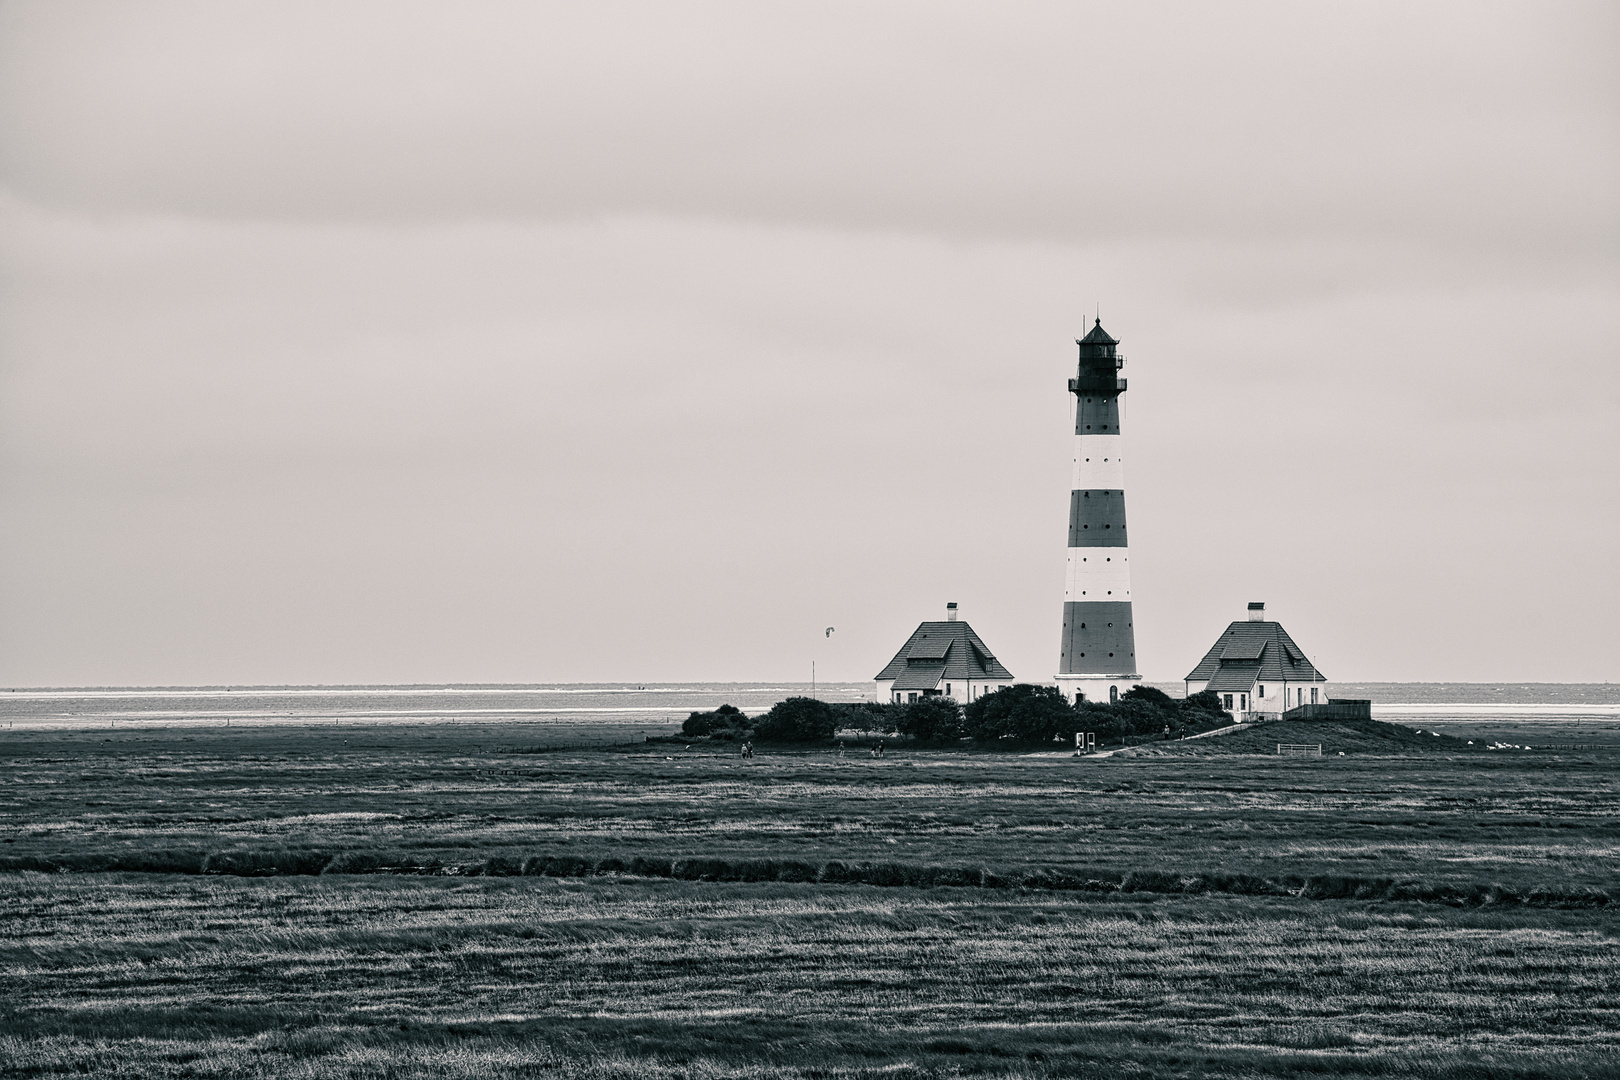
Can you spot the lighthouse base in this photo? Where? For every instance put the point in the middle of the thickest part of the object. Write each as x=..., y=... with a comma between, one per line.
x=1100, y=688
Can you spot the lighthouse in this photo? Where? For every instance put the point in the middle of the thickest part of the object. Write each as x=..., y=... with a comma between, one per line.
x=1097, y=661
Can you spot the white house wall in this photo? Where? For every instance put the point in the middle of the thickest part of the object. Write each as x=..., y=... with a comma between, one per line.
x=963, y=692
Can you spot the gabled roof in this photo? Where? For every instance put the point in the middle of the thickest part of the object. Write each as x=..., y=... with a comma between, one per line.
x=950, y=648
x=1263, y=646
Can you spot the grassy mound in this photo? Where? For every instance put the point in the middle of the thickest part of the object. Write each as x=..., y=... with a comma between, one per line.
x=1335, y=737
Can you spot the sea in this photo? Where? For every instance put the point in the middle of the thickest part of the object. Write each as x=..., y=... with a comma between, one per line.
x=632, y=710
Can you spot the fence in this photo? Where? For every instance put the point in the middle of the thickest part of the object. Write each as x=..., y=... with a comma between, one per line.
x=1289, y=749
x=1335, y=709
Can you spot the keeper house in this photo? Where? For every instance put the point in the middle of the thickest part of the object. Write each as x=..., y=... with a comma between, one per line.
x=1258, y=671
x=942, y=659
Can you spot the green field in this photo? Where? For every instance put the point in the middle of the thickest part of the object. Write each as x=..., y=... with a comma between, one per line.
x=1128, y=916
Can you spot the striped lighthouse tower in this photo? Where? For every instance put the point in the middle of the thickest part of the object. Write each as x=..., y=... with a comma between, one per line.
x=1098, y=658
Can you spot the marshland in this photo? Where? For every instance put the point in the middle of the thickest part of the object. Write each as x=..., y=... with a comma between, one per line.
x=471, y=900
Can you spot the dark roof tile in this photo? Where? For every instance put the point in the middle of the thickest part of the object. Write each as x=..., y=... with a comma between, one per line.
x=920, y=677
x=1264, y=644
x=953, y=646
x=1235, y=678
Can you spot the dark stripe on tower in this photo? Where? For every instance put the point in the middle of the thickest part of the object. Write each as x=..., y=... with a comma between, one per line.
x=1098, y=638
x=1097, y=415
x=1097, y=518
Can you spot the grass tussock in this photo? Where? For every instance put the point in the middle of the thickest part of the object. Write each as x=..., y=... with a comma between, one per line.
x=832, y=872
x=150, y=862
x=265, y=863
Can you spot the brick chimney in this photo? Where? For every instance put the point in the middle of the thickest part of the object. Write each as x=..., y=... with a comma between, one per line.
x=1257, y=613
x=950, y=611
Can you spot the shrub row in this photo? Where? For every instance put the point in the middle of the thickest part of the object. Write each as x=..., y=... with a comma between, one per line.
x=835, y=872
x=1018, y=715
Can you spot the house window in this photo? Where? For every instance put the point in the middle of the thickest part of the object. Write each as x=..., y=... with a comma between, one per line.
x=1313, y=695
x=1113, y=692
x=1228, y=704
x=1243, y=702
x=1262, y=689
x=947, y=689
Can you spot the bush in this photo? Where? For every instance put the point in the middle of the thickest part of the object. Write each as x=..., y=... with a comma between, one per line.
x=1021, y=714
x=798, y=720
x=1151, y=695
x=1140, y=718
x=1141, y=710
x=874, y=717
x=1104, y=720
x=726, y=722
x=931, y=720
x=1206, y=703
x=1149, y=711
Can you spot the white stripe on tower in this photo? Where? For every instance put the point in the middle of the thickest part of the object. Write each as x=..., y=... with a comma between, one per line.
x=1097, y=574
x=1097, y=462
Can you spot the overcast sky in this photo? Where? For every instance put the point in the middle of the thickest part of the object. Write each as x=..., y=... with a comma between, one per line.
x=487, y=342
